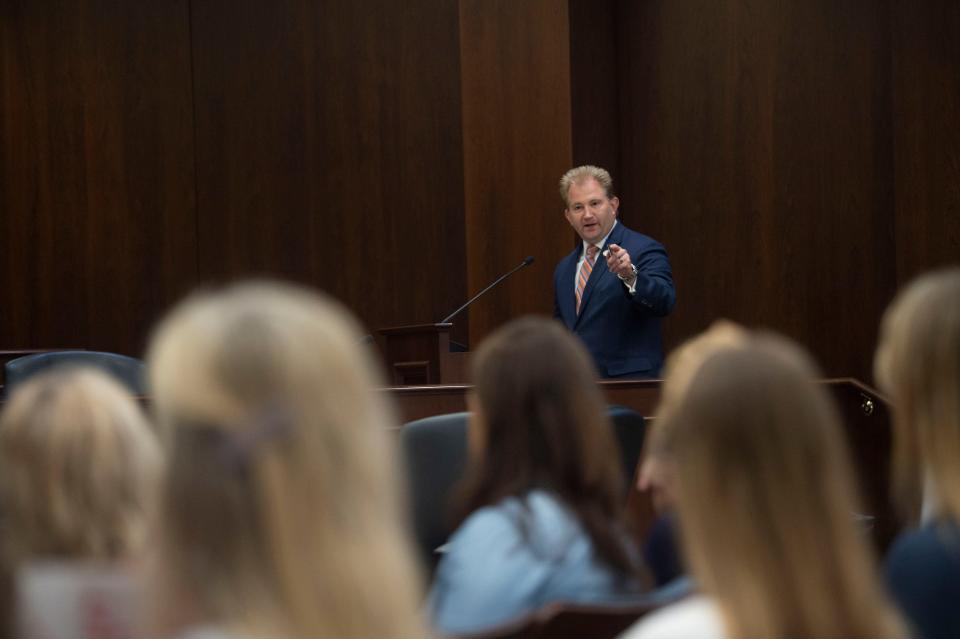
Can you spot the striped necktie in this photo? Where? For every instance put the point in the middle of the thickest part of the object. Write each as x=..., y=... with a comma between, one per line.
x=585, y=271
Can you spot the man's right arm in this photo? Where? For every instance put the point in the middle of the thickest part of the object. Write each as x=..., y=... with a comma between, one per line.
x=654, y=289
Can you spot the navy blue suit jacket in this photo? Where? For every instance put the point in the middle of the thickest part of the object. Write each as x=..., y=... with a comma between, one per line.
x=620, y=330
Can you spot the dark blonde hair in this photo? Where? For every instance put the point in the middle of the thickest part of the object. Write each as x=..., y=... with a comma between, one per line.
x=78, y=468
x=918, y=364
x=766, y=500
x=281, y=516
x=681, y=366
x=545, y=426
x=581, y=174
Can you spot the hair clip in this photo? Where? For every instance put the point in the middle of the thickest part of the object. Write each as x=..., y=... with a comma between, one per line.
x=272, y=422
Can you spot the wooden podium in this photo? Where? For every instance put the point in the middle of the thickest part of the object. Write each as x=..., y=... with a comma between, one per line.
x=420, y=355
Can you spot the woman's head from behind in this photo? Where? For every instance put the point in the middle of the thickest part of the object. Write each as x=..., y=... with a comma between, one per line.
x=766, y=499
x=540, y=420
x=540, y=423
x=657, y=472
x=918, y=364
x=279, y=509
x=78, y=469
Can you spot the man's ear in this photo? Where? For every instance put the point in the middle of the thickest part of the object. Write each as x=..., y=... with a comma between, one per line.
x=615, y=204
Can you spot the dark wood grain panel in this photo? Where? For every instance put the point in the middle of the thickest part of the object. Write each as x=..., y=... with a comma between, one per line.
x=757, y=147
x=926, y=98
x=96, y=172
x=329, y=150
x=516, y=144
x=595, y=84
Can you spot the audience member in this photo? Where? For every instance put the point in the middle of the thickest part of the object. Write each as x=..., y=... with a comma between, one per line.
x=657, y=471
x=280, y=516
x=765, y=498
x=78, y=469
x=918, y=365
x=541, y=507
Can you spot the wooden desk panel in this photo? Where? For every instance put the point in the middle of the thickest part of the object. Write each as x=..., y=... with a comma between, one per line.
x=416, y=402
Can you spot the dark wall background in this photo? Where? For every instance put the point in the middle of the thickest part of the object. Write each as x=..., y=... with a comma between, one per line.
x=800, y=160
x=797, y=158
x=97, y=207
x=517, y=141
x=329, y=150
x=149, y=148
x=764, y=160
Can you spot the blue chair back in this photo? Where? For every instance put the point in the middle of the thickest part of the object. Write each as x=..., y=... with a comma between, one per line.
x=435, y=451
x=630, y=428
x=127, y=370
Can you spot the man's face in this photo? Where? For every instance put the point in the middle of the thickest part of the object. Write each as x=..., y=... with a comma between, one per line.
x=590, y=212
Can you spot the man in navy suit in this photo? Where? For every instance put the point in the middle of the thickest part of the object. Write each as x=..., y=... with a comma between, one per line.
x=615, y=286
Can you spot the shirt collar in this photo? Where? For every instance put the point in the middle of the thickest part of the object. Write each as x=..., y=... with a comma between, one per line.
x=599, y=244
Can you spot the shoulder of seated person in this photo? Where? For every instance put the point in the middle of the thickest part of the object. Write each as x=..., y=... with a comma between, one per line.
x=935, y=546
x=537, y=507
x=695, y=616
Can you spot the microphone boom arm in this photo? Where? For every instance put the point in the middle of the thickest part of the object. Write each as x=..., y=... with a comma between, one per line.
x=526, y=262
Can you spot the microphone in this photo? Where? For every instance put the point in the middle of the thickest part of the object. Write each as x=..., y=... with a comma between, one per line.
x=527, y=261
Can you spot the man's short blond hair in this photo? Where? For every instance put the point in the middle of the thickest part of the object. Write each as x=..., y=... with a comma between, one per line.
x=581, y=174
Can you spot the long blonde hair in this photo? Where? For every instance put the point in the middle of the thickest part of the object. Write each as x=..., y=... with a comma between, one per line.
x=918, y=365
x=280, y=513
x=78, y=469
x=766, y=500
x=656, y=470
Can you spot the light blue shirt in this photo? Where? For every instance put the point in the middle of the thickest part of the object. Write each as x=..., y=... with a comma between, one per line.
x=506, y=561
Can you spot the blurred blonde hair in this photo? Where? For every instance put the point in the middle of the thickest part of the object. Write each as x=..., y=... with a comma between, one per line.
x=280, y=513
x=918, y=364
x=680, y=368
x=766, y=498
x=78, y=469
x=684, y=362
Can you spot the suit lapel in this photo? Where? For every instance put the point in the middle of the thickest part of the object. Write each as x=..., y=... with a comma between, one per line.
x=599, y=272
x=568, y=301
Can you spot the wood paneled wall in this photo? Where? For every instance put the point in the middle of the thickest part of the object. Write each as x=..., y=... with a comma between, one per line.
x=762, y=158
x=595, y=87
x=329, y=150
x=798, y=161
x=97, y=215
x=517, y=143
x=149, y=148
x=926, y=134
